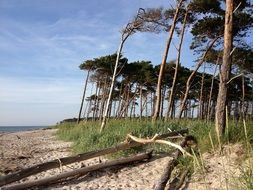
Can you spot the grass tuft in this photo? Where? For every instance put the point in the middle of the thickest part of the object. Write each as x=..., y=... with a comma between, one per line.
x=86, y=135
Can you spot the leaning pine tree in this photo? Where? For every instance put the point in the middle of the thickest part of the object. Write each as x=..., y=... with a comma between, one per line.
x=162, y=68
x=130, y=28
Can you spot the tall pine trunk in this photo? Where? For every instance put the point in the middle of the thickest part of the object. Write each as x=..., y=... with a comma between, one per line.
x=162, y=67
x=172, y=91
x=189, y=80
x=220, y=121
x=84, y=92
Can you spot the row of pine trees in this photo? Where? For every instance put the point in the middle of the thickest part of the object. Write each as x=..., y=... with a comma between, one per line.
x=134, y=91
x=220, y=31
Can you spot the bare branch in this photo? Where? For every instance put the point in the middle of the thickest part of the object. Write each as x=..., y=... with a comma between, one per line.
x=234, y=77
x=232, y=51
x=237, y=7
x=155, y=140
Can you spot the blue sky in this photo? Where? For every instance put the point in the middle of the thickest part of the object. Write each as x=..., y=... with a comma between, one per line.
x=44, y=41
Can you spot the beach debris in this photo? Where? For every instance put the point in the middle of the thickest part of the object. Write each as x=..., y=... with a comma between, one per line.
x=79, y=172
x=16, y=176
x=187, y=142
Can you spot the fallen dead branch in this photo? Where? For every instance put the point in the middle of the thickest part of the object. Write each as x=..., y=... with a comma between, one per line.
x=155, y=140
x=178, y=181
x=80, y=157
x=78, y=172
x=173, y=163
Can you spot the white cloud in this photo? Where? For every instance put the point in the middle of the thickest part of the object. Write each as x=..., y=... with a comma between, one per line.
x=40, y=90
x=38, y=101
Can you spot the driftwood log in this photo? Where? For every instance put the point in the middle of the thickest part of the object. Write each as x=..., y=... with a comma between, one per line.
x=188, y=141
x=78, y=172
x=80, y=157
x=178, y=181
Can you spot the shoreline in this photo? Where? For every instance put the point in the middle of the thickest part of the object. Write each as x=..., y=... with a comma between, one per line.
x=16, y=129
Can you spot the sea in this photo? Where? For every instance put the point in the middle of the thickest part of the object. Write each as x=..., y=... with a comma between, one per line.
x=11, y=129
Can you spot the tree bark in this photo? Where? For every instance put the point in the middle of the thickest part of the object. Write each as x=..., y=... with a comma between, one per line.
x=220, y=121
x=161, y=72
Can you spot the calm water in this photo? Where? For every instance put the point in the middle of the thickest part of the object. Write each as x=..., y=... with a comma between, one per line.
x=19, y=128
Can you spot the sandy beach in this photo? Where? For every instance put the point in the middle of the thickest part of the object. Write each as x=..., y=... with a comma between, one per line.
x=22, y=149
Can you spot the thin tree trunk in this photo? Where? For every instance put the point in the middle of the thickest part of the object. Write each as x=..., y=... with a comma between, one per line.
x=85, y=111
x=118, y=108
x=128, y=101
x=84, y=92
x=188, y=83
x=243, y=98
x=152, y=101
x=162, y=67
x=247, y=109
x=112, y=85
x=95, y=103
x=162, y=101
x=201, y=101
x=88, y=112
x=211, y=91
x=220, y=121
x=193, y=109
x=103, y=99
x=98, y=100
x=123, y=102
x=189, y=110
x=172, y=91
x=173, y=107
x=141, y=109
x=131, y=110
x=114, y=109
x=120, y=100
x=144, y=105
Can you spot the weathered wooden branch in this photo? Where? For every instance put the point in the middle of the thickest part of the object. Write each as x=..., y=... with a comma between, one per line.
x=166, y=174
x=172, y=164
x=155, y=140
x=80, y=157
x=241, y=74
x=78, y=172
x=178, y=181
